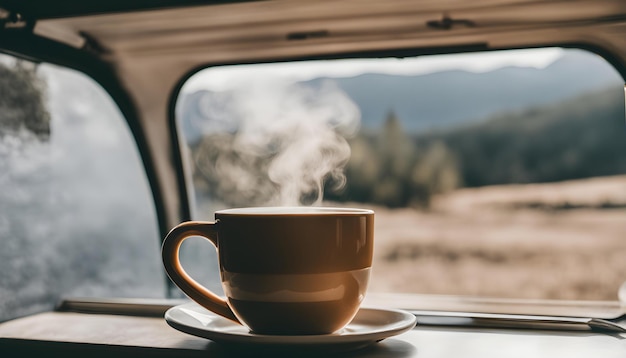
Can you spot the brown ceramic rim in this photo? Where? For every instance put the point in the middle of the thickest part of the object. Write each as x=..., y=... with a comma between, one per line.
x=293, y=211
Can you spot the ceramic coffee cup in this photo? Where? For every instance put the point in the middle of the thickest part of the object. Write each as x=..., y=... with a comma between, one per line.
x=300, y=270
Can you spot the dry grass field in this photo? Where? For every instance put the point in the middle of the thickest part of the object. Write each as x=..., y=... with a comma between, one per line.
x=562, y=240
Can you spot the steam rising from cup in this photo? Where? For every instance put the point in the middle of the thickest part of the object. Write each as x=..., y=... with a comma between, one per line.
x=275, y=144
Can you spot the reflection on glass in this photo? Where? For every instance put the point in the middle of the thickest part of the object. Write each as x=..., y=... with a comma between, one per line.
x=494, y=174
x=76, y=215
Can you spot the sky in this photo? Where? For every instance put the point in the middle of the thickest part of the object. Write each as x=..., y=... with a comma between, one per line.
x=230, y=77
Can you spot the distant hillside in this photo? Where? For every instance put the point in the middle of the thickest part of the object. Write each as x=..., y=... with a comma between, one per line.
x=578, y=138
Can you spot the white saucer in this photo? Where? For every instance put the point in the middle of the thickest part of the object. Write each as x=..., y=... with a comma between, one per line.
x=370, y=325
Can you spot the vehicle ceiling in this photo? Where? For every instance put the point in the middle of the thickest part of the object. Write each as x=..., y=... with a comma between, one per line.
x=140, y=50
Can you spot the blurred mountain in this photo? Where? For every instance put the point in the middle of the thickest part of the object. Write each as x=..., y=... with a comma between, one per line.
x=446, y=98
x=434, y=100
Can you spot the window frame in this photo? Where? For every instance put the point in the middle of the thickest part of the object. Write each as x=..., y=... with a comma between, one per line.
x=184, y=167
x=92, y=63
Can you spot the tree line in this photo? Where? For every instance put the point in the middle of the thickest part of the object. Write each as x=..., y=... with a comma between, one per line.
x=22, y=100
x=578, y=138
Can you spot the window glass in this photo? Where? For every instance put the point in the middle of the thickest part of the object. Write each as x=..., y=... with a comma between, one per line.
x=499, y=174
x=76, y=214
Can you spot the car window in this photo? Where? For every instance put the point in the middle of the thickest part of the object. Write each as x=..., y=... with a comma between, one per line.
x=76, y=214
x=499, y=174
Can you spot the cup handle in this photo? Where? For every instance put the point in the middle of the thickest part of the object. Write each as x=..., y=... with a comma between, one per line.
x=171, y=260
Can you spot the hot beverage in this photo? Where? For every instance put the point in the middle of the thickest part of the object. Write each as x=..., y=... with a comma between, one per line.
x=283, y=270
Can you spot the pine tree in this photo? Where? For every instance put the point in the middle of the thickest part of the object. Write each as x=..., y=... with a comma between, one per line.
x=22, y=97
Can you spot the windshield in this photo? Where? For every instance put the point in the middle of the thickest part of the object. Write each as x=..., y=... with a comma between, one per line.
x=498, y=174
x=76, y=213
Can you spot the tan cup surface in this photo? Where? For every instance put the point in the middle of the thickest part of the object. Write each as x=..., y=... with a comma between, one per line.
x=292, y=270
